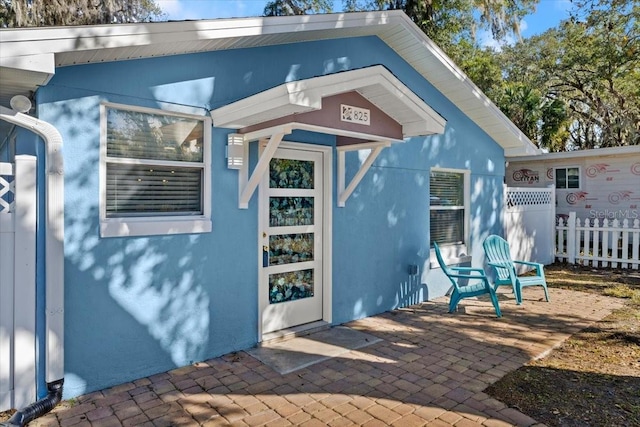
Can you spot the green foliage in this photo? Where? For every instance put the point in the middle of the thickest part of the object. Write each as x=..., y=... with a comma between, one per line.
x=480, y=64
x=447, y=22
x=297, y=7
x=41, y=13
x=589, y=67
x=575, y=86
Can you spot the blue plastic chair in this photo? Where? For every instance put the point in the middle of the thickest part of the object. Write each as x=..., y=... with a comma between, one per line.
x=499, y=257
x=458, y=274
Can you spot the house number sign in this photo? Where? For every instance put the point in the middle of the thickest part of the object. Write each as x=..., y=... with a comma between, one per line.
x=352, y=114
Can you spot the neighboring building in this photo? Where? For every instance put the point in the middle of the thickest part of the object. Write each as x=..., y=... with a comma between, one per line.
x=226, y=181
x=596, y=184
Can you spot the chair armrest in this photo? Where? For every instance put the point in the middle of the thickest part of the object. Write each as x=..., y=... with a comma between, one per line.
x=533, y=264
x=539, y=267
x=468, y=269
x=469, y=276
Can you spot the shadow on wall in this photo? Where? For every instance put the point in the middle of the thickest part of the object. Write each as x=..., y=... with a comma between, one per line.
x=394, y=233
x=143, y=305
x=412, y=291
x=138, y=306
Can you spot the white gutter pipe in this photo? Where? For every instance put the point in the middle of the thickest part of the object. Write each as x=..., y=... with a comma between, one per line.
x=54, y=236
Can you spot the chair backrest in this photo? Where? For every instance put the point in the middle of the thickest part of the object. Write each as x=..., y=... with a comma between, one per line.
x=443, y=266
x=497, y=250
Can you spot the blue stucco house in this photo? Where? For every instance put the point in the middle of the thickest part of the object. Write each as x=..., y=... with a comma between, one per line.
x=203, y=186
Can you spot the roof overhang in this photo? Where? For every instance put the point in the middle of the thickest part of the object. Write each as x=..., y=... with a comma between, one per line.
x=105, y=43
x=22, y=74
x=579, y=154
x=270, y=115
x=376, y=84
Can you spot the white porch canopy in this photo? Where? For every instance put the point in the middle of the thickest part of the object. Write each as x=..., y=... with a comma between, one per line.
x=368, y=108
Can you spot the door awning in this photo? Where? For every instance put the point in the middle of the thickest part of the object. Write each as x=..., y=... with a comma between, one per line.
x=376, y=84
x=367, y=108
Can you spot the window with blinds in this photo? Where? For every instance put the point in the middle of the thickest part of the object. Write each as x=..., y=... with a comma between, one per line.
x=447, y=207
x=154, y=164
x=568, y=178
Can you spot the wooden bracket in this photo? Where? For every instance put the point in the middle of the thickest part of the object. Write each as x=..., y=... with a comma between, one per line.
x=344, y=192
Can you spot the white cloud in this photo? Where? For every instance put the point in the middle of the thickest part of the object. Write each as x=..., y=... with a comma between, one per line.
x=523, y=26
x=170, y=7
x=485, y=38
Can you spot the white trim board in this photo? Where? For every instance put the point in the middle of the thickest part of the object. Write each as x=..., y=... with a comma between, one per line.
x=107, y=43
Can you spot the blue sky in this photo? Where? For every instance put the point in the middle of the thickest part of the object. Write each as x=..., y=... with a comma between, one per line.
x=548, y=12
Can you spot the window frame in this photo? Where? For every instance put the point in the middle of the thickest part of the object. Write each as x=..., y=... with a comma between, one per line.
x=150, y=225
x=566, y=168
x=453, y=253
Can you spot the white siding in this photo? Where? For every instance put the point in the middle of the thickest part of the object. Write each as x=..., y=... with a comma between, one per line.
x=609, y=185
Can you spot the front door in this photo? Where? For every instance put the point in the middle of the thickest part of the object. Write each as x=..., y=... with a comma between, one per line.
x=291, y=220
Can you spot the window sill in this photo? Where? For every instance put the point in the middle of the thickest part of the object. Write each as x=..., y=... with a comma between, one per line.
x=129, y=227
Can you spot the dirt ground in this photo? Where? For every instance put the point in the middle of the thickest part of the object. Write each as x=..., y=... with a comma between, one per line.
x=593, y=379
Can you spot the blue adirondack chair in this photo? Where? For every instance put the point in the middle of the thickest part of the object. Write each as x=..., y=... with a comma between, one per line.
x=499, y=257
x=457, y=274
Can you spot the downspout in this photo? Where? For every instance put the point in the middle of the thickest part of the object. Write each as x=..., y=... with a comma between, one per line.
x=54, y=263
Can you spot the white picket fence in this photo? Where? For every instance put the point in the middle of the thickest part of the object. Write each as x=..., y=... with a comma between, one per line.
x=599, y=243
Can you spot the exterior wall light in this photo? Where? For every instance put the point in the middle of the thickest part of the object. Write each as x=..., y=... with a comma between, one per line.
x=20, y=103
x=235, y=151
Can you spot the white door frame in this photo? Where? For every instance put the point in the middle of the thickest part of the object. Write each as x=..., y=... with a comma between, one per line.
x=327, y=230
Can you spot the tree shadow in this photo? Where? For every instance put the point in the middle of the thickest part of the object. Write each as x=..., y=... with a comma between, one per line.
x=427, y=363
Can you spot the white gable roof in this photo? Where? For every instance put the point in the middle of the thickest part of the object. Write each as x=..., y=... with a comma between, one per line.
x=28, y=56
x=376, y=84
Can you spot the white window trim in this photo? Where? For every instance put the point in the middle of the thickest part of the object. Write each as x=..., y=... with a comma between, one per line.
x=152, y=225
x=459, y=253
x=555, y=180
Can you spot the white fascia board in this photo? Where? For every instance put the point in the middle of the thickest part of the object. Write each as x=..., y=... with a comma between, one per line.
x=594, y=152
x=43, y=63
x=27, y=41
x=267, y=132
x=239, y=114
x=376, y=75
x=422, y=128
x=413, y=101
x=521, y=151
x=171, y=38
x=290, y=127
x=477, y=98
x=308, y=94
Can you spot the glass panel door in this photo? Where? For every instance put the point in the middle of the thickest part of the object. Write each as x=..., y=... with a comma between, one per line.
x=291, y=219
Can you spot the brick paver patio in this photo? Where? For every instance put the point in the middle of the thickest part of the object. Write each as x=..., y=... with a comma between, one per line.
x=430, y=368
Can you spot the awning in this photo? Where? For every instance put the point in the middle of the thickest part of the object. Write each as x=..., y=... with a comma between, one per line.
x=368, y=108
